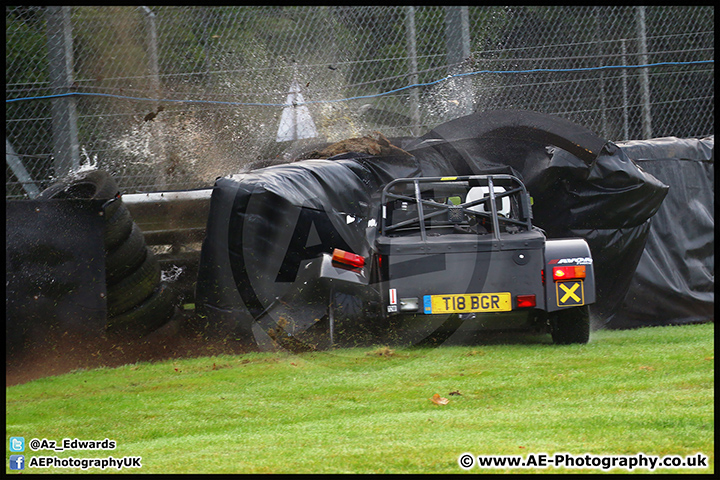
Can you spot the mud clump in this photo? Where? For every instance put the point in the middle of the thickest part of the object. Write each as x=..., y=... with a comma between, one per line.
x=376, y=145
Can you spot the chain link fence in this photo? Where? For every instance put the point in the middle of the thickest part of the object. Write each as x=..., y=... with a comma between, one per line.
x=169, y=98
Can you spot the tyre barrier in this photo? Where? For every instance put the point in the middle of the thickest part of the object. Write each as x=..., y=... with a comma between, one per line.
x=146, y=317
x=126, y=258
x=94, y=184
x=133, y=289
x=118, y=226
x=137, y=302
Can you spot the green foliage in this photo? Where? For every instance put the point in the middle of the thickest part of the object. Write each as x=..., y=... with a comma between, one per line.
x=28, y=24
x=369, y=410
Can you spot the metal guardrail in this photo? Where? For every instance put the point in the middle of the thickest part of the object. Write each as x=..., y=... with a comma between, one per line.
x=178, y=219
x=170, y=218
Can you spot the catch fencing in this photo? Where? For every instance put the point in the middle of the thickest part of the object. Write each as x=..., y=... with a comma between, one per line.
x=169, y=98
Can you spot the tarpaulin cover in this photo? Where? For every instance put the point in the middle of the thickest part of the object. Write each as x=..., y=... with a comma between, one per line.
x=55, y=272
x=265, y=225
x=582, y=185
x=674, y=281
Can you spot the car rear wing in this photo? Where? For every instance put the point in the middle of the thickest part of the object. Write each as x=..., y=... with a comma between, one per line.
x=429, y=202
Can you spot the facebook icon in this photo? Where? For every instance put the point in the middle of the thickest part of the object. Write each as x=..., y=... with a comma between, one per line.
x=17, y=462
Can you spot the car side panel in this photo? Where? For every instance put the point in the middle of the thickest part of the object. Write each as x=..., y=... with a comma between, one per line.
x=568, y=252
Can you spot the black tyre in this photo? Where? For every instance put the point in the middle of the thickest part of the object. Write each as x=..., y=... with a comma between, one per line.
x=146, y=317
x=351, y=325
x=348, y=307
x=117, y=227
x=125, y=258
x=570, y=326
x=96, y=184
x=135, y=288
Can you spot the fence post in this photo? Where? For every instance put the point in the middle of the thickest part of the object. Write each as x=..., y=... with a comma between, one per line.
x=414, y=78
x=158, y=128
x=644, y=75
x=457, y=34
x=600, y=52
x=64, y=114
x=623, y=73
x=152, y=51
x=17, y=167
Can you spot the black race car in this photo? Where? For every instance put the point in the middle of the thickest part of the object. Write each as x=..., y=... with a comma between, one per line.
x=454, y=251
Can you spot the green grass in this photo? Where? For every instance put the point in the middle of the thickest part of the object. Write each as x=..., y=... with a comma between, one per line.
x=369, y=411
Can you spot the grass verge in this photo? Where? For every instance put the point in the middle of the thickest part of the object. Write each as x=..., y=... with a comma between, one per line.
x=369, y=410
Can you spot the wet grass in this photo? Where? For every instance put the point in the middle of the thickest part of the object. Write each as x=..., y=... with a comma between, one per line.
x=369, y=410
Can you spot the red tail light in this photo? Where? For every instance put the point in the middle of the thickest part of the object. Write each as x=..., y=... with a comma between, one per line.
x=347, y=258
x=525, y=301
x=568, y=273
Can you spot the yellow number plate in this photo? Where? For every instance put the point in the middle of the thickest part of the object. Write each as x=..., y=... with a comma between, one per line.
x=468, y=303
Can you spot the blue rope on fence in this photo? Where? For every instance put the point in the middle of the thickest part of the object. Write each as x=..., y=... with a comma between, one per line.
x=449, y=77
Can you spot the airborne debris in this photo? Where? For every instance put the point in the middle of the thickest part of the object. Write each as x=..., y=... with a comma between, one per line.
x=172, y=274
x=151, y=116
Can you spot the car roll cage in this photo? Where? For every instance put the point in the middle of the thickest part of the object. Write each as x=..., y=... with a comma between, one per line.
x=456, y=214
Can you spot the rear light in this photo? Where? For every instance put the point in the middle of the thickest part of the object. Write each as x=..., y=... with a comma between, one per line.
x=568, y=273
x=347, y=258
x=525, y=301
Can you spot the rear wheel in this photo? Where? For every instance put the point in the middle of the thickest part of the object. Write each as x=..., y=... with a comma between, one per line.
x=570, y=326
x=351, y=319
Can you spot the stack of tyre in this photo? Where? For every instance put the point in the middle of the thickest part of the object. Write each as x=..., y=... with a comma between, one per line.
x=137, y=301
